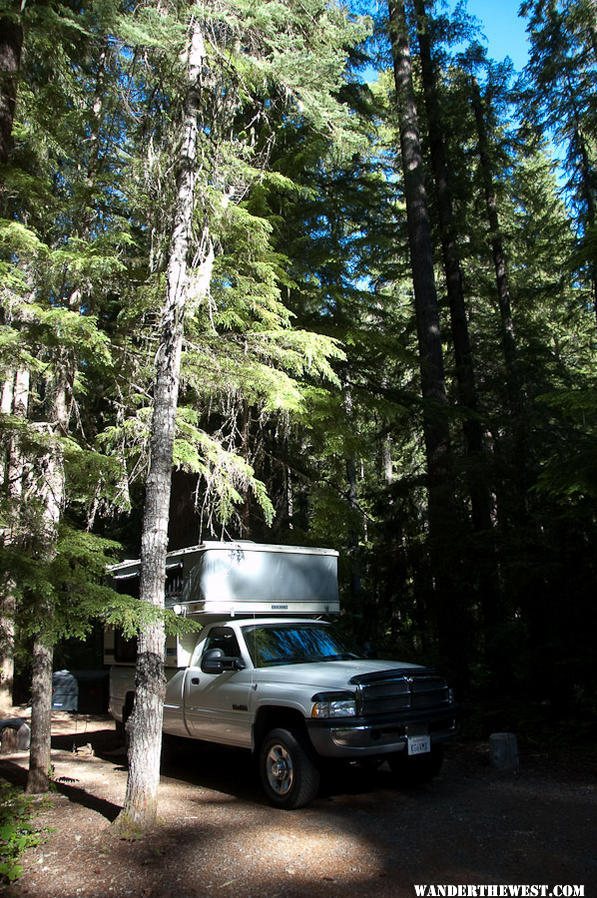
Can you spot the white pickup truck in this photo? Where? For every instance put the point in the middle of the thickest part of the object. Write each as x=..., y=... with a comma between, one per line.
x=284, y=685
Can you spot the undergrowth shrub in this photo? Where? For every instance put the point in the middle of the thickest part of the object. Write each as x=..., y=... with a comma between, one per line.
x=17, y=831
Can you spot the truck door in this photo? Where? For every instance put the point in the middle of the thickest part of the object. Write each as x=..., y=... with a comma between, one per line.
x=217, y=705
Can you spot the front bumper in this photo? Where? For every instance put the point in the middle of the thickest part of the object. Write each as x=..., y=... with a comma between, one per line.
x=361, y=737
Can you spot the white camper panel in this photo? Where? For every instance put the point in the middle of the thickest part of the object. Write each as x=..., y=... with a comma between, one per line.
x=233, y=579
x=218, y=578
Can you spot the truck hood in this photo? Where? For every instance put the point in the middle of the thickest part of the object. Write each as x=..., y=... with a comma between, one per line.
x=327, y=674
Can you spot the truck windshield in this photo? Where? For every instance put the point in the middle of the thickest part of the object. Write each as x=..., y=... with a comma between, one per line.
x=273, y=644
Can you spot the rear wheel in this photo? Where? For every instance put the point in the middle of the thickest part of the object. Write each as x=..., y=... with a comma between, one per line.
x=289, y=775
x=415, y=770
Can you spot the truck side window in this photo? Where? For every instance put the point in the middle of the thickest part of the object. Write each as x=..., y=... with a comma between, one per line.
x=223, y=638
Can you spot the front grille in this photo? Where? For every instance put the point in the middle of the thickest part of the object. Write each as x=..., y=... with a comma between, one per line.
x=402, y=690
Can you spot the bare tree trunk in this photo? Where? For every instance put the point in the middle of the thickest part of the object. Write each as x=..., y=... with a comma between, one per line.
x=440, y=481
x=245, y=451
x=289, y=491
x=38, y=779
x=485, y=560
x=51, y=493
x=588, y=191
x=421, y=251
x=6, y=401
x=15, y=400
x=497, y=249
x=16, y=459
x=465, y=374
x=387, y=463
x=514, y=385
x=354, y=512
x=7, y=599
x=11, y=42
x=587, y=179
x=145, y=725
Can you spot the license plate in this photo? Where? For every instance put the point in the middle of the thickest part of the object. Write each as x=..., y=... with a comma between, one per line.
x=418, y=745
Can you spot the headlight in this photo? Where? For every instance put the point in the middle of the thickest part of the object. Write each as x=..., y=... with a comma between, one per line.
x=333, y=705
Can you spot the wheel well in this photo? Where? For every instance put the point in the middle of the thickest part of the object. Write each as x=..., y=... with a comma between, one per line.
x=271, y=717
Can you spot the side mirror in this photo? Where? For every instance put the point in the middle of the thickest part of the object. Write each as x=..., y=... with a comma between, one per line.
x=214, y=661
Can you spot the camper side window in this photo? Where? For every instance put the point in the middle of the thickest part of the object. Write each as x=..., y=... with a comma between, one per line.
x=125, y=650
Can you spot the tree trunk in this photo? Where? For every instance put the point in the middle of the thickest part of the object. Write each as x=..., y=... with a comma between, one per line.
x=7, y=638
x=512, y=512
x=51, y=494
x=421, y=251
x=441, y=510
x=354, y=512
x=7, y=601
x=514, y=386
x=145, y=725
x=387, y=463
x=587, y=190
x=11, y=42
x=15, y=400
x=484, y=562
x=497, y=249
x=454, y=283
x=6, y=406
x=38, y=779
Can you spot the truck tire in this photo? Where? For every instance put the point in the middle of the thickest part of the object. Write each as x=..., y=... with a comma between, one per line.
x=289, y=775
x=417, y=770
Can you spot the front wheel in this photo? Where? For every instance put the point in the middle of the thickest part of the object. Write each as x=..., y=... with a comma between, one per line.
x=417, y=769
x=289, y=775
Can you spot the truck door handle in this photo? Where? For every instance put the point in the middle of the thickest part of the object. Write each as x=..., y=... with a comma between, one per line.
x=195, y=681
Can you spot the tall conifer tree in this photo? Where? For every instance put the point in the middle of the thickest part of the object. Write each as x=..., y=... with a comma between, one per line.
x=558, y=90
x=440, y=475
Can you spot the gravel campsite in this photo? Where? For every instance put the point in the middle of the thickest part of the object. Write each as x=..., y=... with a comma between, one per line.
x=363, y=837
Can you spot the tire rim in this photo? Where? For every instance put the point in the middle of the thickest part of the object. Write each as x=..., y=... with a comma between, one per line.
x=279, y=769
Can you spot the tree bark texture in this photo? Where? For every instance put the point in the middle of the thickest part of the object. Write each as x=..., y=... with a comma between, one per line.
x=440, y=481
x=38, y=779
x=145, y=726
x=11, y=42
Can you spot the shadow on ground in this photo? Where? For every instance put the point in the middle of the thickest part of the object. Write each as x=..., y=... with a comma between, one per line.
x=220, y=768
x=16, y=775
x=360, y=836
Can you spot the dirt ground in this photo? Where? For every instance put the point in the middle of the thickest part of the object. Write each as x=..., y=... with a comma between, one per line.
x=361, y=837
